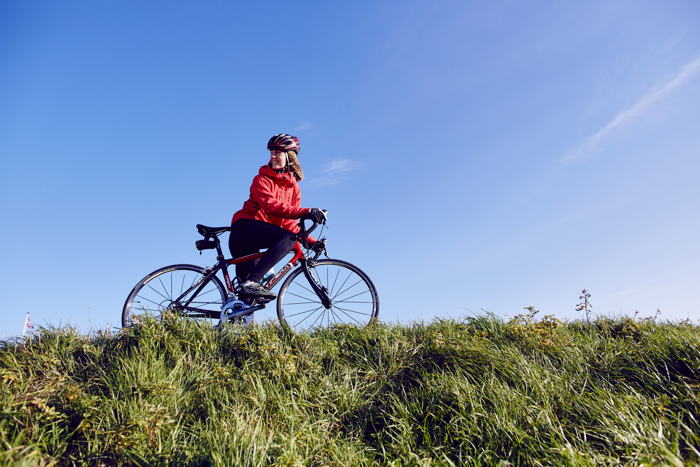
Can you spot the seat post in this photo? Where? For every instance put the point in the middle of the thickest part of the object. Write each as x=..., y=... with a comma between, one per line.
x=220, y=254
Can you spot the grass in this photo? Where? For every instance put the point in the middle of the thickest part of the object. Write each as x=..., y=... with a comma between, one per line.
x=479, y=391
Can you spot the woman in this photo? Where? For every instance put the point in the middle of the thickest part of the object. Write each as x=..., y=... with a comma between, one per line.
x=268, y=218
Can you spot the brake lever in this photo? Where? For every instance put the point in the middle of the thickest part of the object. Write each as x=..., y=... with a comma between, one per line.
x=323, y=250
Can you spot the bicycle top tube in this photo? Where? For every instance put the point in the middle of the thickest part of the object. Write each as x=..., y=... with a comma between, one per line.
x=298, y=253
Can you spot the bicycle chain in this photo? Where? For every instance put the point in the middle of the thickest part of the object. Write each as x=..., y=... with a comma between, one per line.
x=206, y=303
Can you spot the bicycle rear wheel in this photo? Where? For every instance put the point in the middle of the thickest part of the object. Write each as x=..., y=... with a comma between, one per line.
x=354, y=299
x=159, y=292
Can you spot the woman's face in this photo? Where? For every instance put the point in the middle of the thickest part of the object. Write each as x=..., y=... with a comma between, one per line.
x=278, y=159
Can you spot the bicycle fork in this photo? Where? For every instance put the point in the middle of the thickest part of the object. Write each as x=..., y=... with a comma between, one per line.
x=320, y=291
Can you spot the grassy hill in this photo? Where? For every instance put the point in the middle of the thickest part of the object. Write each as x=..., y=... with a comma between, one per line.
x=474, y=392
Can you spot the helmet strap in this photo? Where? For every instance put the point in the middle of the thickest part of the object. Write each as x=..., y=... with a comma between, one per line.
x=282, y=170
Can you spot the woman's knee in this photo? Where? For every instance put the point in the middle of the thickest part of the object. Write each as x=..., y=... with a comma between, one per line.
x=290, y=240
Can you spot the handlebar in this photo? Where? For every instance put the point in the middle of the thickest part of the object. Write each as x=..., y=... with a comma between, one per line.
x=302, y=228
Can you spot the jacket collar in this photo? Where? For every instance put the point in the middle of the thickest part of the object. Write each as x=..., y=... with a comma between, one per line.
x=284, y=179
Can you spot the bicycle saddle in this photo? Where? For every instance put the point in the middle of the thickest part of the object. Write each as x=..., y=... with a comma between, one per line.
x=211, y=231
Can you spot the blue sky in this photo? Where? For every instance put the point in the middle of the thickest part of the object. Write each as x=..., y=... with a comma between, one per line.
x=473, y=155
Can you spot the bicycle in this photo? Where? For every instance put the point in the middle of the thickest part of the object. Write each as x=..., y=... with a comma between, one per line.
x=318, y=292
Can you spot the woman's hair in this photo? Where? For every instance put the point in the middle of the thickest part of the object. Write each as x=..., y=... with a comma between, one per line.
x=294, y=165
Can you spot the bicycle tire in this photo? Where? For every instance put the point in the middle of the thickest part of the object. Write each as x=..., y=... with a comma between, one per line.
x=299, y=308
x=153, y=298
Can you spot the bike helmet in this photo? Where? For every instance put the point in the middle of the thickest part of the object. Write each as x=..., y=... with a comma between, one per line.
x=283, y=142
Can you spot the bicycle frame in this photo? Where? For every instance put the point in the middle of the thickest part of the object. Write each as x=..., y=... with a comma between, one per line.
x=270, y=283
x=222, y=265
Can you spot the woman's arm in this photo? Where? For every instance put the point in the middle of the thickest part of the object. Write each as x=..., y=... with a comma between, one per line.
x=296, y=201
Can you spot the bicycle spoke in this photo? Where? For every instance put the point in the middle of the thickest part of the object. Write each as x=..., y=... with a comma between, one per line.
x=334, y=281
x=310, y=314
x=353, y=296
x=343, y=284
x=335, y=317
x=351, y=317
x=305, y=298
x=308, y=290
x=353, y=311
x=156, y=304
x=306, y=311
x=353, y=285
x=164, y=297
x=165, y=289
x=340, y=320
x=146, y=310
x=314, y=323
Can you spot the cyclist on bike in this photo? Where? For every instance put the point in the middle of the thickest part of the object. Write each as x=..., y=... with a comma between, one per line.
x=268, y=217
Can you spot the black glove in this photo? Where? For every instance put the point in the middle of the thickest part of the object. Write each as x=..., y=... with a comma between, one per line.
x=316, y=215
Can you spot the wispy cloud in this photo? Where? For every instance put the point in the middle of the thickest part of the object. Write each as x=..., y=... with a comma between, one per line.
x=341, y=165
x=633, y=114
x=335, y=171
x=304, y=126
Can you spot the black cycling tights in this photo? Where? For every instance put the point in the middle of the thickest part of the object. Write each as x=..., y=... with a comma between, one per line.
x=248, y=236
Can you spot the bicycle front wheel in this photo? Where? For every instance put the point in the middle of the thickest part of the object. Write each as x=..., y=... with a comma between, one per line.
x=354, y=299
x=178, y=288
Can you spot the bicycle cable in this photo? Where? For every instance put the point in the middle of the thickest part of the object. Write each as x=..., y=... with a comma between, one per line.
x=323, y=225
x=306, y=242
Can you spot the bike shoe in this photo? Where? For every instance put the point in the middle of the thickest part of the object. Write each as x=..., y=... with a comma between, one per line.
x=257, y=291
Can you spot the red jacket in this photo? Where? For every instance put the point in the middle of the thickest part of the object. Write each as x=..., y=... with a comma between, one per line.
x=274, y=198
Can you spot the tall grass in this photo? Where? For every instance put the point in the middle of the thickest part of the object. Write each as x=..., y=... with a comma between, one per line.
x=473, y=392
